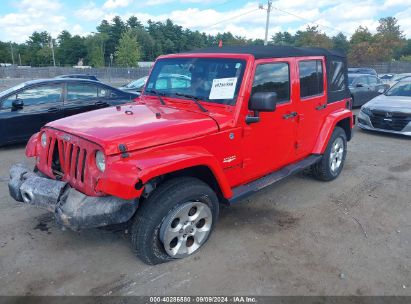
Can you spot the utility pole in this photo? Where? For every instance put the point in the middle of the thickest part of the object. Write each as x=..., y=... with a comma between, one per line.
x=267, y=24
x=12, y=53
x=52, y=51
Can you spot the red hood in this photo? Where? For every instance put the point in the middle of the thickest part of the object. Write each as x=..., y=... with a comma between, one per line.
x=137, y=126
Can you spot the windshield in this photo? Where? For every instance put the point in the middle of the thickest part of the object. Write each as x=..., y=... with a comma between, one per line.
x=209, y=79
x=351, y=79
x=400, y=89
x=400, y=76
x=15, y=88
x=137, y=83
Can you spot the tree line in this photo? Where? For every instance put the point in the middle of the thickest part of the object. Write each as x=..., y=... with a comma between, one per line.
x=125, y=42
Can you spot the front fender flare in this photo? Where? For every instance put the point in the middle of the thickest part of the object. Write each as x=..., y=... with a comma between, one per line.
x=122, y=176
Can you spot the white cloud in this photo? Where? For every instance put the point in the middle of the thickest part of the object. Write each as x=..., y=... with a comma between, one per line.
x=32, y=15
x=90, y=12
x=243, y=20
x=110, y=4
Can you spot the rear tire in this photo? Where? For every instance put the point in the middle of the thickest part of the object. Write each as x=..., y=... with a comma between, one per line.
x=332, y=162
x=175, y=221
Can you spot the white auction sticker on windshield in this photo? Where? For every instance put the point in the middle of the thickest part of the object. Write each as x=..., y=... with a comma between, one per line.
x=223, y=88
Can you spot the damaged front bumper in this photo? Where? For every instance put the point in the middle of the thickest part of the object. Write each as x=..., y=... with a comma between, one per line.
x=71, y=208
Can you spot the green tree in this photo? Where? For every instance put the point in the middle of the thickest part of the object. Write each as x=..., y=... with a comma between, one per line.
x=95, y=45
x=341, y=43
x=128, y=52
x=134, y=23
x=313, y=37
x=70, y=48
x=283, y=38
x=389, y=37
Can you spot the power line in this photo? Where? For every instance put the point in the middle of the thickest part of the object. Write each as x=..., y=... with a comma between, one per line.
x=234, y=17
x=310, y=21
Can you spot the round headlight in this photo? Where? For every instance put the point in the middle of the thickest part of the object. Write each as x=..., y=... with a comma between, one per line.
x=43, y=139
x=100, y=161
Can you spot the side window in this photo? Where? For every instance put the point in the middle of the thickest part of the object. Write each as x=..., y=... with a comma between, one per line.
x=104, y=92
x=336, y=76
x=311, y=78
x=81, y=91
x=361, y=80
x=273, y=77
x=7, y=103
x=372, y=80
x=39, y=95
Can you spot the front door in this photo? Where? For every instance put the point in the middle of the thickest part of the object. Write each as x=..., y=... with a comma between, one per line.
x=312, y=103
x=270, y=143
x=41, y=104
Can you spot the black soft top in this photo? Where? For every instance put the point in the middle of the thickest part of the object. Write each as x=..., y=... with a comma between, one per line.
x=270, y=51
x=336, y=62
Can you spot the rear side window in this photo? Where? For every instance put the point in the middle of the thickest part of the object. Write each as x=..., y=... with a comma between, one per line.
x=311, y=78
x=273, y=77
x=336, y=76
x=81, y=91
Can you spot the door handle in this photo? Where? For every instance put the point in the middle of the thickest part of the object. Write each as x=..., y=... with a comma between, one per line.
x=291, y=115
x=52, y=110
x=321, y=107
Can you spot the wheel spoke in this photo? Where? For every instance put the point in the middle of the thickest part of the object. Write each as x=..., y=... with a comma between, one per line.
x=180, y=248
x=189, y=237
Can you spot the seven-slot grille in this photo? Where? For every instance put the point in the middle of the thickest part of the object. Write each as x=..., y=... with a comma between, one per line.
x=393, y=121
x=67, y=160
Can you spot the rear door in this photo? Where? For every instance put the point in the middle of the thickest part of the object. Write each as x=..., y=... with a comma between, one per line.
x=41, y=104
x=312, y=102
x=81, y=97
x=269, y=143
x=361, y=91
x=375, y=85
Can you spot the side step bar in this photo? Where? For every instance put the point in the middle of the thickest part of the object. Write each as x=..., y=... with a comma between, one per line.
x=241, y=192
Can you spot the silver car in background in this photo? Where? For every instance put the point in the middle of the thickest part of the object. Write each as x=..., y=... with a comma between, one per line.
x=389, y=112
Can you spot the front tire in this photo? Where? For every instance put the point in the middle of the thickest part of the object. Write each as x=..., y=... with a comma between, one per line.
x=175, y=221
x=332, y=162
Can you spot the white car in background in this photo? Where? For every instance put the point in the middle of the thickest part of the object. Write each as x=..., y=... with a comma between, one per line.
x=398, y=77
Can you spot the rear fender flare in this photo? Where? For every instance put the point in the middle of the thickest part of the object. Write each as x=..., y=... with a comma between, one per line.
x=328, y=127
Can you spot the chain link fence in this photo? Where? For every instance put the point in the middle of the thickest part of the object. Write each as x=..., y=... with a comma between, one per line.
x=394, y=67
x=49, y=72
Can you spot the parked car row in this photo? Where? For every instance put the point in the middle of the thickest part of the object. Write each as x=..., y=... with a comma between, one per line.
x=389, y=112
x=25, y=108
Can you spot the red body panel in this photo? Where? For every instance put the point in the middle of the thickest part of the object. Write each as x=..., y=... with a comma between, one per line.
x=161, y=139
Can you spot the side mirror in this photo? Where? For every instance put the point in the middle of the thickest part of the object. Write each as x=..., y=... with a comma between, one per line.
x=359, y=85
x=261, y=102
x=381, y=91
x=17, y=104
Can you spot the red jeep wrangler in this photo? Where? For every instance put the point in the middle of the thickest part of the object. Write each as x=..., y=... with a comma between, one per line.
x=212, y=126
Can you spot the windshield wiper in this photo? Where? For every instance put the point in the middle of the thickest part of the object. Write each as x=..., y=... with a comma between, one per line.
x=195, y=99
x=158, y=94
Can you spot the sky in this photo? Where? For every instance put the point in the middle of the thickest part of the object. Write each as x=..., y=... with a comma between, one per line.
x=18, y=19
